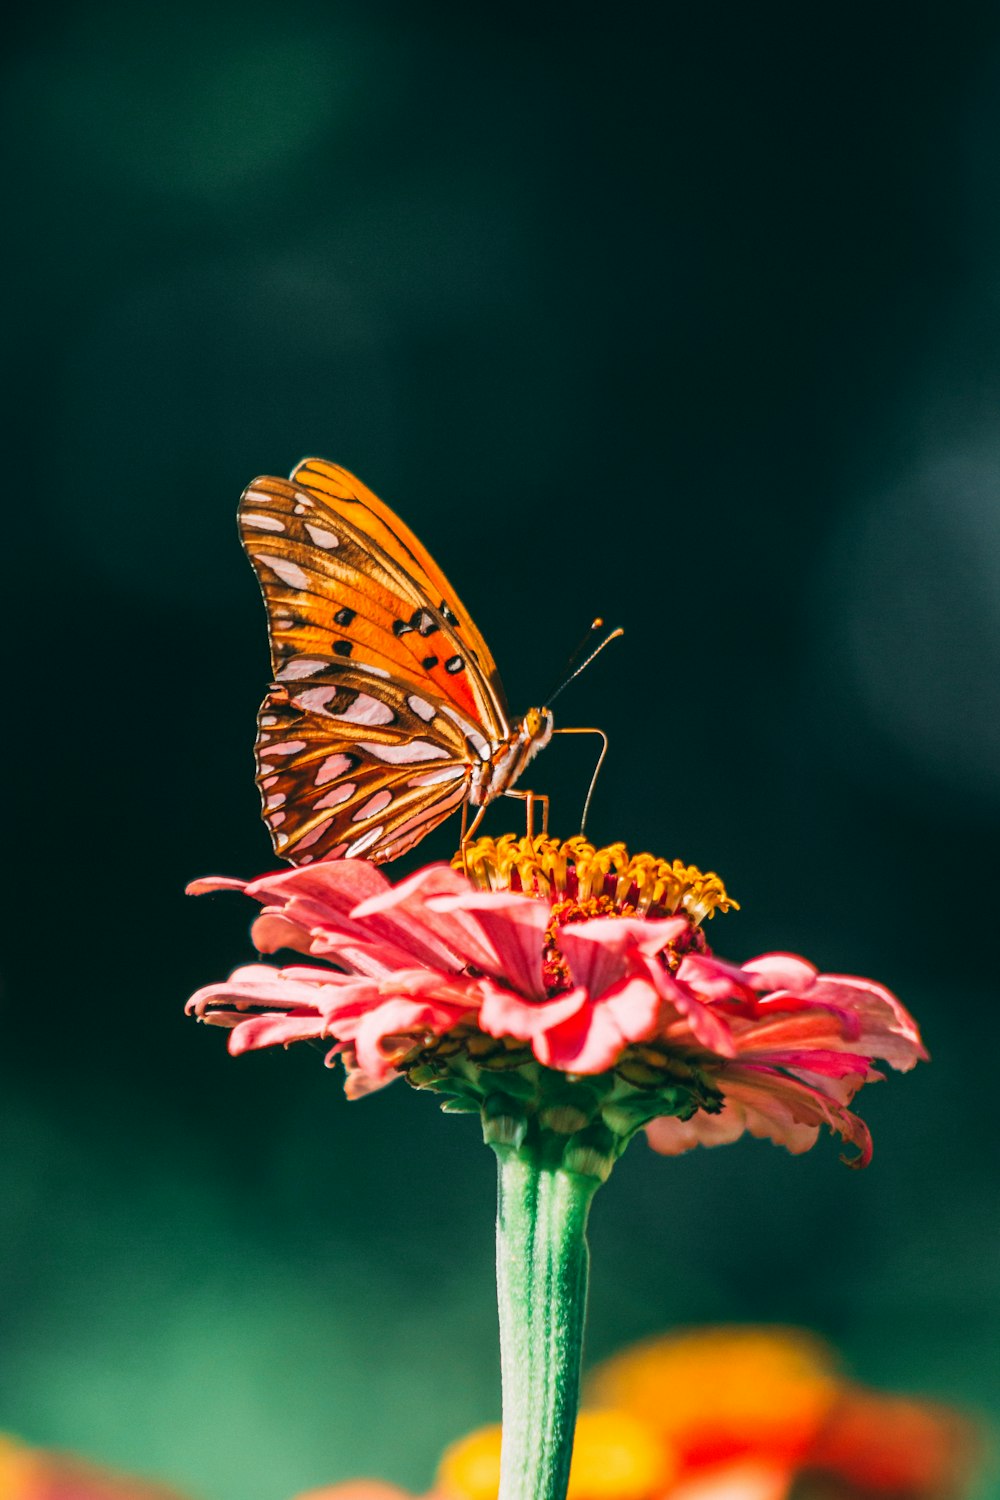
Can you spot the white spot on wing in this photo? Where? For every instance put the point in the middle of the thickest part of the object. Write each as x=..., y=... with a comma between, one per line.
x=421, y=708
x=275, y=800
x=366, y=710
x=365, y=842
x=266, y=720
x=404, y=754
x=431, y=778
x=322, y=538
x=331, y=768
x=276, y=818
x=337, y=795
x=374, y=805
x=262, y=523
x=311, y=837
x=301, y=666
x=315, y=699
x=284, y=569
x=283, y=747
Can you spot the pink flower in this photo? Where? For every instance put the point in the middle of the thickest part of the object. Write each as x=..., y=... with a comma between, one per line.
x=559, y=959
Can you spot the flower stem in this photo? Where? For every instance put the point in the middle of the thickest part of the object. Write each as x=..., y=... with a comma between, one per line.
x=542, y=1267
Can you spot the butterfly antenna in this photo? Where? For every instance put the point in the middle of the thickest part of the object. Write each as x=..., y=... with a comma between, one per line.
x=613, y=635
x=574, y=656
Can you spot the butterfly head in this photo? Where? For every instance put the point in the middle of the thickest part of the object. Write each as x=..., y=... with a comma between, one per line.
x=536, y=729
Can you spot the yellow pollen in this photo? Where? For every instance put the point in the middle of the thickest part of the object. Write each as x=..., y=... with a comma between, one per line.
x=574, y=870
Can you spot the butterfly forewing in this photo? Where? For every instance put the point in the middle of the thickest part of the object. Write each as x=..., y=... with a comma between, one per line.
x=351, y=501
x=331, y=590
x=385, y=696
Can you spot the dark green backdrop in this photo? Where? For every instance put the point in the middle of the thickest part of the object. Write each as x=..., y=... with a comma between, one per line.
x=682, y=314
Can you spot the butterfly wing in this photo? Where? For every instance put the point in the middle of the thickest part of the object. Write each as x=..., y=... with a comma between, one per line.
x=341, y=493
x=350, y=764
x=385, y=696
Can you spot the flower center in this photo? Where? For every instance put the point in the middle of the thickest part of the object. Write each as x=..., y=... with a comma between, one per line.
x=582, y=882
x=573, y=874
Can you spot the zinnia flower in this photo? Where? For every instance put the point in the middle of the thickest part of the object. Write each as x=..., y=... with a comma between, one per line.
x=563, y=990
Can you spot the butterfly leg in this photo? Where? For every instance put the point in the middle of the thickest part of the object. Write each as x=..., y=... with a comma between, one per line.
x=597, y=769
x=530, y=799
x=467, y=832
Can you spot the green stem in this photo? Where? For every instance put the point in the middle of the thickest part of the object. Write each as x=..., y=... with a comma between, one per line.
x=542, y=1266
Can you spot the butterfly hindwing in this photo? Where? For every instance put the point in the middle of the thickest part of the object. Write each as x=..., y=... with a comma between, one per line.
x=349, y=764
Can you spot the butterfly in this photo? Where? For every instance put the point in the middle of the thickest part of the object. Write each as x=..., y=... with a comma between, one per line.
x=386, y=712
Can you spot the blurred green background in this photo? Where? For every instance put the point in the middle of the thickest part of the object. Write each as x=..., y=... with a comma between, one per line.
x=685, y=315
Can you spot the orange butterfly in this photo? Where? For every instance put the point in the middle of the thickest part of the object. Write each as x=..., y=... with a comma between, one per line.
x=386, y=712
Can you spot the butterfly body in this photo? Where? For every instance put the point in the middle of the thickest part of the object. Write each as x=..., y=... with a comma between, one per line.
x=500, y=773
x=386, y=712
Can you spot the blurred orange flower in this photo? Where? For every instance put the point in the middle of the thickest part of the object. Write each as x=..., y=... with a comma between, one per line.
x=722, y=1393
x=729, y=1414
x=35, y=1474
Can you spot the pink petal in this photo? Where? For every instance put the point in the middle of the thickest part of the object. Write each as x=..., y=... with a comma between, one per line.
x=671, y=1137
x=512, y=933
x=810, y=1026
x=824, y=1063
x=593, y=1039
x=769, y=1105
x=273, y=930
x=418, y=911
x=698, y=1021
x=789, y=1111
x=260, y=984
x=887, y=1028
x=337, y=884
x=784, y=971
x=712, y=978
x=387, y=1033
x=597, y=950
x=504, y=1013
x=214, y=883
x=274, y=1031
x=354, y=917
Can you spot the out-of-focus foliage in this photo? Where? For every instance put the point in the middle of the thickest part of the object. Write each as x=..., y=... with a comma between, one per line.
x=681, y=315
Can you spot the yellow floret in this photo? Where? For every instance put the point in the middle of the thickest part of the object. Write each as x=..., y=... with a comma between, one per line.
x=542, y=866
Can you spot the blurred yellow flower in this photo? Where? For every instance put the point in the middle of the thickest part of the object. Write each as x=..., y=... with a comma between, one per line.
x=616, y=1456
x=744, y=1413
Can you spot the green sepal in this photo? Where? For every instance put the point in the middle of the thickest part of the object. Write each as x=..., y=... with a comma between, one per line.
x=460, y=1105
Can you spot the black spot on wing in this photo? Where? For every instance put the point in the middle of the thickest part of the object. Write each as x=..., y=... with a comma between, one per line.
x=343, y=648
x=429, y=663
x=344, y=616
x=454, y=664
x=424, y=621
x=401, y=627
